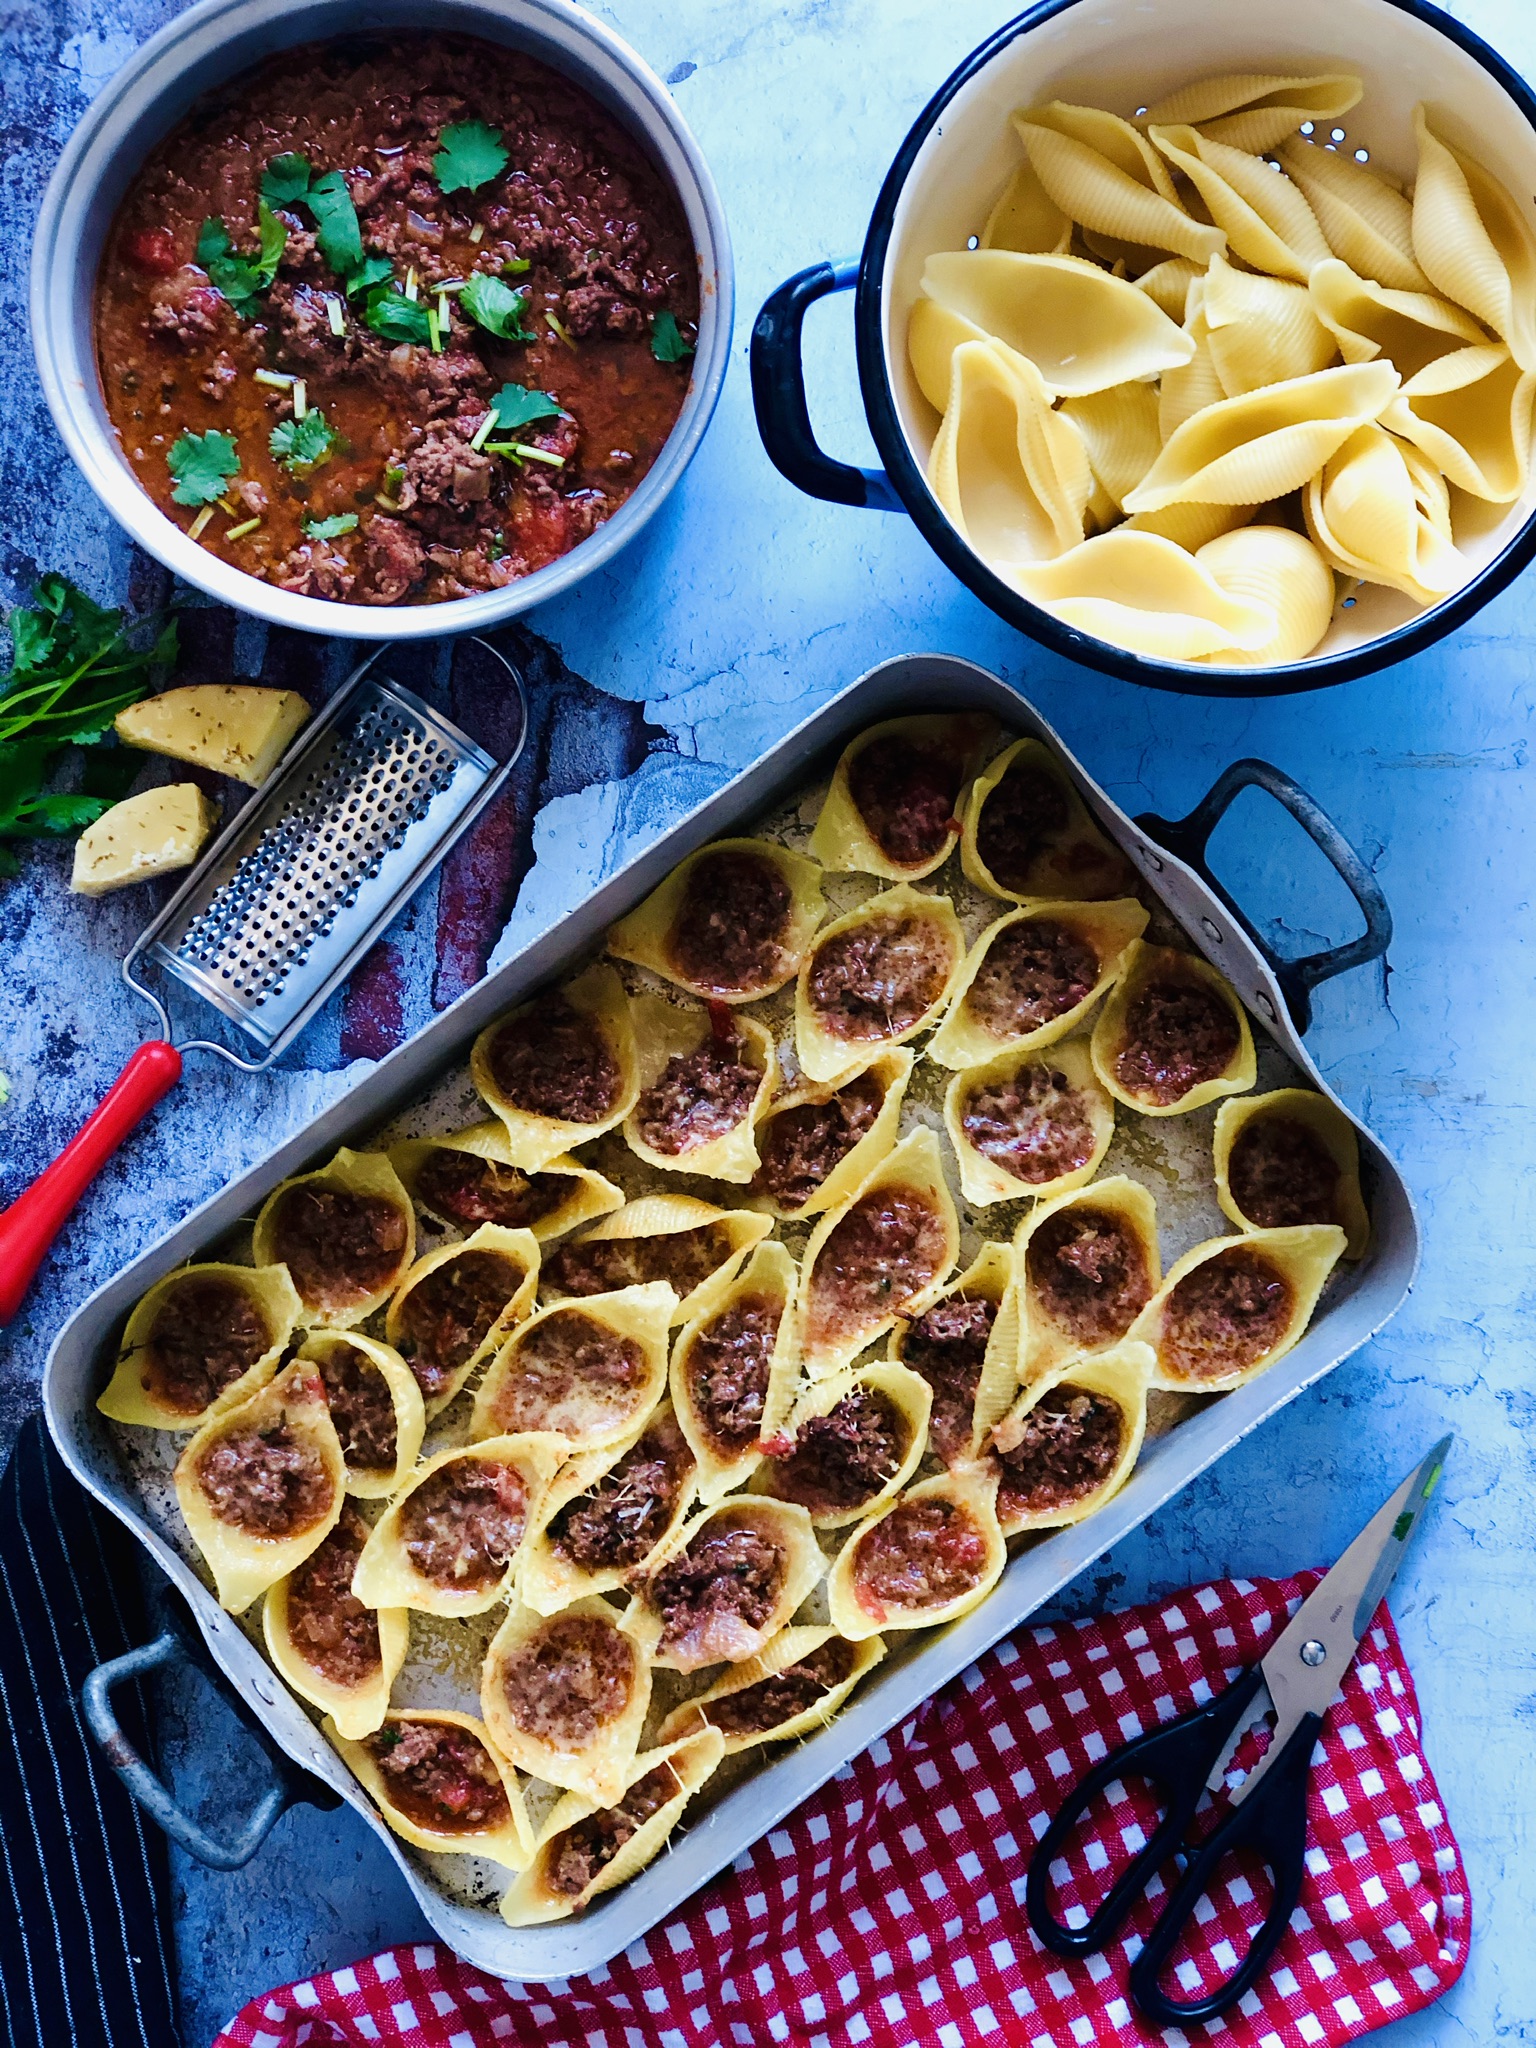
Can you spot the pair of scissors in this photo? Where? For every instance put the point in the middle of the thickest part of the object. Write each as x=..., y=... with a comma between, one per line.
x=1296, y=1680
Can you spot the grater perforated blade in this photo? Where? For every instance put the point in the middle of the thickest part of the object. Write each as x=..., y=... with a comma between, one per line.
x=321, y=859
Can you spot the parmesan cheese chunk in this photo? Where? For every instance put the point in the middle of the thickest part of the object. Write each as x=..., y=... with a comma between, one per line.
x=238, y=729
x=148, y=834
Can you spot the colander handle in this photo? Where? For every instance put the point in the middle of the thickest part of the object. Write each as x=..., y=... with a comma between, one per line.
x=29, y=1226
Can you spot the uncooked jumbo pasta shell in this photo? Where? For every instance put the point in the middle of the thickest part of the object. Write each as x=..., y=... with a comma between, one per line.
x=1120, y=431
x=1377, y=510
x=1146, y=966
x=731, y=1639
x=770, y=1275
x=647, y=936
x=1100, y=172
x=1082, y=329
x=1272, y=566
x=1046, y=1341
x=789, y=1646
x=1470, y=413
x=1304, y=1254
x=1107, y=929
x=1245, y=451
x=1328, y=1124
x=908, y=1394
x=1074, y=860
x=581, y=1192
x=386, y=1575
x=1471, y=238
x=130, y=1395
x=843, y=839
x=1120, y=1375
x=519, y=1249
x=1411, y=329
x=826, y=1054
x=1266, y=218
x=664, y=1032
x=1012, y=475
x=857, y=1612
x=1254, y=110
x=356, y=1710
x=1262, y=330
x=828, y=1340
x=1145, y=593
x=533, y=1140
x=366, y=1482
x=533, y=1899
x=511, y=1844
x=243, y=1562
x=989, y=1277
x=890, y=1072
x=1367, y=222
x=585, y=1418
x=353, y=1173
x=1026, y=217
x=597, y=1765
x=1065, y=1070
x=650, y=1217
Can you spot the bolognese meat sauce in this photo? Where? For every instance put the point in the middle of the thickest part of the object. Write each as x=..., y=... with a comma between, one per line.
x=447, y=1315
x=728, y=932
x=1026, y=840
x=727, y=1369
x=269, y=1482
x=839, y=1461
x=362, y=1408
x=889, y=1247
x=1032, y=973
x=469, y=1190
x=924, y=1553
x=555, y=1061
x=617, y=1523
x=1225, y=1315
x=799, y=1147
x=772, y=1701
x=947, y=1346
x=440, y=1776
x=728, y=1579
x=207, y=1333
x=461, y=1527
x=572, y=1676
x=906, y=795
x=328, y=1626
x=1177, y=1034
x=1280, y=1172
x=683, y=1258
x=340, y=1246
x=882, y=975
x=1064, y=1450
x=572, y=1374
x=1031, y=1122
x=699, y=1097
x=1089, y=1272
x=585, y=1850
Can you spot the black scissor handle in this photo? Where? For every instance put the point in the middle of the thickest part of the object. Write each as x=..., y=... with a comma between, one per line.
x=1177, y=1760
x=1273, y=1823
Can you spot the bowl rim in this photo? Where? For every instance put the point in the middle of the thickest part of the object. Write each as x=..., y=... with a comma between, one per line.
x=910, y=484
x=187, y=41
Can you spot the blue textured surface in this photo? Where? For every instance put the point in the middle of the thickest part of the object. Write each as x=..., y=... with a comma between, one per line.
x=741, y=608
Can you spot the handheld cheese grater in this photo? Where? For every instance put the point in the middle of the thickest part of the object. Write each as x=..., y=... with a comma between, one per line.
x=277, y=912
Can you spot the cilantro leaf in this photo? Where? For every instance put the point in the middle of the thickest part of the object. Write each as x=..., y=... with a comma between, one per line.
x=496, y=308
x=242, y=278
x=337, y=233
x=470, y=156
x=516, y=406
x=202, y=465
x=329, y=529
x=302, y=445
x=371, y=271
x=391, y=314
x=51, y=814
x=667, y=342
x=286, y=179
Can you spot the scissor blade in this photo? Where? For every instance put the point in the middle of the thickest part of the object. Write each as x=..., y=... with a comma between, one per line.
x=1260, y=1705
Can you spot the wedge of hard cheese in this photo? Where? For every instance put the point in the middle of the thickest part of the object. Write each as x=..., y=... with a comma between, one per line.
x=237, y=728
x=145, y=835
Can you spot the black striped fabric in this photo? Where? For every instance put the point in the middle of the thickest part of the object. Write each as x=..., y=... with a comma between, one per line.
x=85, y=1945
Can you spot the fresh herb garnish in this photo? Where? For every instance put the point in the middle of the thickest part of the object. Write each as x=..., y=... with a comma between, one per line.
x=516, y=406
x=667, y=342
x=470, y=156
x=391, y=314
x=202, y=465
x=330, y=529
x=286, y=179
x=371, y=271
x=496, y=308
x=290, y=181
x=302, y=445
x=241, y=278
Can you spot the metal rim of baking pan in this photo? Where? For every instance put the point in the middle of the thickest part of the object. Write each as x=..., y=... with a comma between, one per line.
x=207, y=46
x=909, y=1677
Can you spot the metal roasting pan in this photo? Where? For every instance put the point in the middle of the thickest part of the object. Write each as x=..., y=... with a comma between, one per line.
x=1170, y=857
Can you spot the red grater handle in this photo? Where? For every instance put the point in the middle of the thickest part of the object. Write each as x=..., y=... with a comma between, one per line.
x=36, y=1217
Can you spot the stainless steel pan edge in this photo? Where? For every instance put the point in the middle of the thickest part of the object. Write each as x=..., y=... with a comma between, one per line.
x=909, y=1677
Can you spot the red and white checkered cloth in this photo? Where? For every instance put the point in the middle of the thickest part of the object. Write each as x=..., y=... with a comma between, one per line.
x=889, y=1911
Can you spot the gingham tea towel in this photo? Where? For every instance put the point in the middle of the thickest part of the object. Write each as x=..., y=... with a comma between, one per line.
x=888, y=1912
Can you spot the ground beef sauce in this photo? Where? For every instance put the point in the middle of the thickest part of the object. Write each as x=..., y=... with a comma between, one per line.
x=328, y=1626
x=880, y=976
x=698, y=1097
x=727, y=1371
x=584, y=1851
x=683, y=1258
x=446, y=1316
x=618, y=1522
x=1032, y=1123
x=906, y=796
x=554, y=1061
x=1088, y=1271
x=1033, y=973
x=799, y=1147
x=461, y=1527
x=948, y=1347
x=1225, y=1316
x=924, y=1553
x=468, y=1190
x=728, y=932
x=571, y=1677
x=726, y=1581
x=1176, y=1034
x=207, y=1333
x=841, y=1460
x=1280, y=1172
x=1026, y=840
x=888, y=1248
x=440, y=1776
x=266, y=1482
x=572, y=1373
x=1069, y=1443
x=784, y=1696
x=361, y=1408
x=340, y=1247
x=579, y=220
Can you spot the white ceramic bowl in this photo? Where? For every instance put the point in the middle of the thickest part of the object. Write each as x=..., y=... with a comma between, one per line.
x=204, y=48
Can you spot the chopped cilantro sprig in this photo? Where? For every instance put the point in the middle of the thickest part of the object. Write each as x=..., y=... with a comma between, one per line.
x=290, y=181
x=497, y=308
x=470, y=155
x=332, y=528
x=240, y=279
x=201, y=466
x=302, y=445
x=668, y=344
x=516, y=406
x=394, y=317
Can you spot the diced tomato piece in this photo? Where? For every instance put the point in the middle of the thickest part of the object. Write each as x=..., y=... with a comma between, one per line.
x=153, y=250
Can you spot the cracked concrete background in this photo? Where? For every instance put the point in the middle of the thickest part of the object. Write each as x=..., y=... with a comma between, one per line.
x=740, y=609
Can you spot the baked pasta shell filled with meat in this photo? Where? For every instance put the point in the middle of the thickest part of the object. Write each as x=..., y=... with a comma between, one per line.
x=818, y=1140
x=706, y=1076
x=1232, y=1306
x=606, y=1512
x=346, y=1233
x=875, y=978
x=1028, y=1123
x=897, y=794
x=467, y=1178
x=734, y=1370
x=852, y=1444
x=930, y=1555
x=1172, y=1035
x=965, y=1347
x=1290, y=1157
x=459, y=1304
x=729, y=924
x=376, y=1409
x=336, y=1653
x=1032, y=976
x=794, y=1686
x=1088, y=1263
x=560, y=1069
x=565, y=1696
x=203, y=1339
x=436, y=1778
x=1028, y=833
x=1072, y=1439
x=586, y=1370
x=675, y=1240
x=726, y=1584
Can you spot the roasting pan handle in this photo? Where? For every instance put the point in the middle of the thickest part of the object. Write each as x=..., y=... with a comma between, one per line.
x=778, y=394
x=1187, y=838
x=290, y=1786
